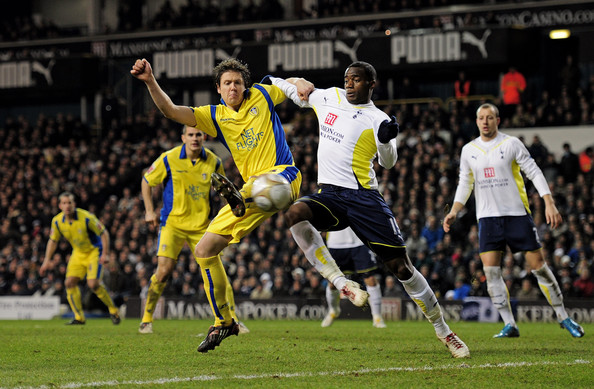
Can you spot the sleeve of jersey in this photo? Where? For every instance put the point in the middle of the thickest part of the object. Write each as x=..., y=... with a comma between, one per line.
x=206, y=119
x=95, y=225
x=289, y=90
x=55, y=233
x=156, y=173
x=530, y=168
x=465, y=181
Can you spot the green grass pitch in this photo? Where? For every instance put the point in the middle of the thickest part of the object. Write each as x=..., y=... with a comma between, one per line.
x=289, y=354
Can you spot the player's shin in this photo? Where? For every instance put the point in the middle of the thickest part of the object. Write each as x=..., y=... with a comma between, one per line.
x=550, y=288
x=499, y=293
x=215, y=285
x=75, y=302
x=311, y=243
x=154, y=293
x=103, y=295
x=421, y=293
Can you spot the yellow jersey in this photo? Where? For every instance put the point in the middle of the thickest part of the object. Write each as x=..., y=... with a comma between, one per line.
x=186, y=187
x=254, y=134
x=83, y=232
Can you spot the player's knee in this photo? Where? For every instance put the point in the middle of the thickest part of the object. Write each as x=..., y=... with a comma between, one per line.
x=296, y=213
x=93, y=284
x=71, y=283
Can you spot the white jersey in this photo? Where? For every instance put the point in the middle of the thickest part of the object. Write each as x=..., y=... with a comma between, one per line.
x=343, y=239
x=348, y=141
x=493, y=169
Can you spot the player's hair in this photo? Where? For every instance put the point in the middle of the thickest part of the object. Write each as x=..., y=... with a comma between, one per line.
x=232, y=65
x=66, y=194
x=186, y=126
x=369, y=70
x=490, y=106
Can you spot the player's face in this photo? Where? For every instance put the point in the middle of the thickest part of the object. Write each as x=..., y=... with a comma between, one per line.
x=357, y=87
x=487, y=123
x=67, y=205
x=231, y=88
x=193, y=139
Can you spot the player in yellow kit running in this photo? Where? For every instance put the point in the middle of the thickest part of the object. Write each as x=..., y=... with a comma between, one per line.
x=184, y=173
x=90, y=251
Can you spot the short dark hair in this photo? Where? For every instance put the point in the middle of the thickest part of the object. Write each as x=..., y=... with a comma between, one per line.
x=369, y=70
x=66, y=194
x=232, y=65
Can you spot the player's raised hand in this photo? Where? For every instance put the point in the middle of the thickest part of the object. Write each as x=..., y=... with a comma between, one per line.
x=142, y=69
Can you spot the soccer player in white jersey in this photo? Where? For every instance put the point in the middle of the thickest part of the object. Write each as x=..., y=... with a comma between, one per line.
x=353, y=132
x=353, y=257
x=491, y=165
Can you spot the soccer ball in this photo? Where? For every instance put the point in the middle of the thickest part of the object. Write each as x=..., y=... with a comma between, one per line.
x=271, y=192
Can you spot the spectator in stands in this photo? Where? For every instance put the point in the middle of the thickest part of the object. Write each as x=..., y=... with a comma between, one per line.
x=586, y=158
x=570, y=164
x=432, y=232
x=584, y=286
x=461, y=86
x=528, y=291
x=512, y=87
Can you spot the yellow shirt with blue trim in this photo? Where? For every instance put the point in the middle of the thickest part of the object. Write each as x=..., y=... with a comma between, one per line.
x=186, y=187
x=254, y=134
x=83, y=232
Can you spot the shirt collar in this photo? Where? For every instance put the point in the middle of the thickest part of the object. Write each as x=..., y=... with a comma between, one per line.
x=183, y=154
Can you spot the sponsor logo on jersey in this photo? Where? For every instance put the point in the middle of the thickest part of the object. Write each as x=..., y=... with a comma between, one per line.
x=489, y=172
x=330, y=119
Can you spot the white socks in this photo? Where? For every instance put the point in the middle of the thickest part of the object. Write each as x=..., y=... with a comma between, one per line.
x=375, y=299
x=333, y=299
x=550, y=288
x=419, y=290
x=499, y=293
x=316, y=252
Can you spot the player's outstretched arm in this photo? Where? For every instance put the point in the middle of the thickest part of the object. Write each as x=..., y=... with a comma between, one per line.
x=143, y=71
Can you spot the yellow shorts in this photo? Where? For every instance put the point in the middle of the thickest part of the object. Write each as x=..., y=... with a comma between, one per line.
x=83, y=264
x=225, y=223
x=172, y=240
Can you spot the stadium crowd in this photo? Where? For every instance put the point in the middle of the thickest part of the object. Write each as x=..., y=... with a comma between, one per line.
x=42, y=159
x=131, y=16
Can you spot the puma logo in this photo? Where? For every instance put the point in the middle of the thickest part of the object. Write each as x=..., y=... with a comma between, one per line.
x=468, y=37
x=222, y=54
x=46, y=72
x=342, y=47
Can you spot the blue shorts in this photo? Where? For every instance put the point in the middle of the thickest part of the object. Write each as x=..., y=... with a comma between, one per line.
x=358, y=260
x=517, y=232
x=364, y=210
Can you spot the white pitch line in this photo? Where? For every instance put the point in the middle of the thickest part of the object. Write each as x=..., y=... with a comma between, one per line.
x=157, y=381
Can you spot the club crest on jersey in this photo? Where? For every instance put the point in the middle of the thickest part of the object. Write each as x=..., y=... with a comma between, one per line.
x=254, y=111
x=489, y=172
x=330, y=119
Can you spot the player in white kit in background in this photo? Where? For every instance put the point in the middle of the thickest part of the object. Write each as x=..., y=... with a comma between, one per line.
x=353, y=257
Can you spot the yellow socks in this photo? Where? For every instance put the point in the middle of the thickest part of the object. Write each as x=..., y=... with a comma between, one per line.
x=215, y=286
x=101, y=292
x=154, y=293
x=74, y=299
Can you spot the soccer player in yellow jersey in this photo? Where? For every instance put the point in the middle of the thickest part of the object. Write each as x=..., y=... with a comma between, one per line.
x=184, y=173
x=90, y=251
x=246, y=123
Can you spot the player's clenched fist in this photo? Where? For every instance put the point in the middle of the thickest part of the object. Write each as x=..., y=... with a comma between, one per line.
x=142, y=69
